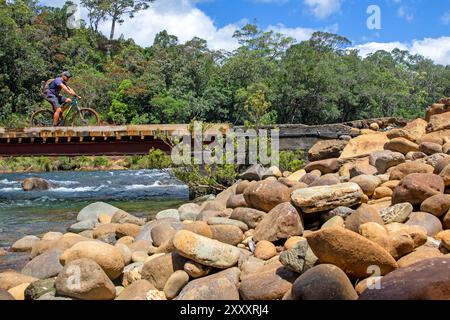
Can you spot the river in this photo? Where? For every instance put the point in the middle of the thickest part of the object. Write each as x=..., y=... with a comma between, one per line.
x=142, y=193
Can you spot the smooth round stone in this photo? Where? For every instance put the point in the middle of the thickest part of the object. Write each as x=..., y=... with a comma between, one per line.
x=227, y=221
x=396, y=213
x=24, y=244
x=175, y=283
x=83, y=226
x=336, y=221
x=265, y=250
x=169, y=213
x=205, y=250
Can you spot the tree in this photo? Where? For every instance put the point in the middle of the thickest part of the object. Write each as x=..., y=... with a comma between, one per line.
x=97, y=10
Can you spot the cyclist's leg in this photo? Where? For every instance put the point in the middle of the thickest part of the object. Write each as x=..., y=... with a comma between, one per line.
x=63, y=102
x=54, y=101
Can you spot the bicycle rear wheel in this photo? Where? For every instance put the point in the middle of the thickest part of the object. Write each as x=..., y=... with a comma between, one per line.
x=86, y=117
x=42, y=118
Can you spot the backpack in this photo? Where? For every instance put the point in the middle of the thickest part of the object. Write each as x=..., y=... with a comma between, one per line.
x=46, y=87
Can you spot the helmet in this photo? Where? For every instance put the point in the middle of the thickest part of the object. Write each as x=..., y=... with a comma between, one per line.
x=66, y=74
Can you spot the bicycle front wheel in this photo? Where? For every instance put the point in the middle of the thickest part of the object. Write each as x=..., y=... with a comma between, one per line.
x=86, y=117
x=42, y=118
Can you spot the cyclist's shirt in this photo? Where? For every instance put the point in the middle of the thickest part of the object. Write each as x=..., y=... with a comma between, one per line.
x=54, y=87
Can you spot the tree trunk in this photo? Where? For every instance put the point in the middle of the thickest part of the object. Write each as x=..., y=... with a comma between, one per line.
x=113, y=27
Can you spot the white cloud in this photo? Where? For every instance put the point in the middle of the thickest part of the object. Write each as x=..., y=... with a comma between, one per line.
x=323, y=8
x=436, y=49
x=405, y=13
x=446, y=18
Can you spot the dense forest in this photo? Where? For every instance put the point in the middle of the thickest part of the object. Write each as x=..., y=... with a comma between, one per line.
x=269, y=79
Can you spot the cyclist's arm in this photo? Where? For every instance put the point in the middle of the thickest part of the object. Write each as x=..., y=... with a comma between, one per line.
x=68, y=89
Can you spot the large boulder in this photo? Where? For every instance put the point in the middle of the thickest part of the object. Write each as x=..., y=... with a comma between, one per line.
x=281, y=222
x=254, y=173
x=44, y=266
x=84, y=279
x=158, y=270
x=417, y=187
x=323, y=282
x=227, y=234
x=270, y=282
x=206, y=251
x=368, y=183
x=437, y=205
x=138, y=290
x=326, y=149
x=425, y=280
x=439, y=122
x=401, y=145
x=11, y=278
x=35, y=184
x=219, y=286
x=402, y=170
x=265, y=195
x=106, y=255
x=364, y=145
x=146, y=231
x=123, y=217
x=365, y=213
x=94, y=210
x=322, y=198
x=324, y=166
x=24, y=244
x=350, y=251
x=83, y=226
x=425, y=220
x=385, y=159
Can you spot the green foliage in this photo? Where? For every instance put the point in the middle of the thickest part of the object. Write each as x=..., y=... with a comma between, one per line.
x=291, y=160
x=101, y=162
x=156, y=159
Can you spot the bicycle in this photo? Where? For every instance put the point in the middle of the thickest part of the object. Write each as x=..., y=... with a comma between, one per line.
x=73, y=115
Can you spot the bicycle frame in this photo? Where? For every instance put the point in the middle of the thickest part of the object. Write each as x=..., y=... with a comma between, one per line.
x=73, y=104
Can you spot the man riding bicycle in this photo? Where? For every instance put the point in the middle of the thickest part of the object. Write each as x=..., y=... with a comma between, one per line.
x=53, y=95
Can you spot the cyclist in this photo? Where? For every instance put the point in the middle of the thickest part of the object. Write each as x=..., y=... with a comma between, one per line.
x=53, y=95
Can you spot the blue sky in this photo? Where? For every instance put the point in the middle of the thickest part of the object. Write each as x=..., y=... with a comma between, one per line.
x=420, y=26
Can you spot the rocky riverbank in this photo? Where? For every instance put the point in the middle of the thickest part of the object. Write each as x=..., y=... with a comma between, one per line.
x=369, y=218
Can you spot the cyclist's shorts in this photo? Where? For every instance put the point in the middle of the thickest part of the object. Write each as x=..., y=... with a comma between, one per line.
x=56, y=101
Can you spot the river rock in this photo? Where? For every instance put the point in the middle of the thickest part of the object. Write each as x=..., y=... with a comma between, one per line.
x=439, y=122
x=445, y=175
x=200, y=228
x=44, y=266
x=281, y=222
x=35, y=184
x=236, y=201
x=299, y=258
x=93, y=283
x=426, y=220
x=325, y=180
x=11, y=278
x=342, y=212
x=205, y=251
x=40, y=287
x=437, y=205
x=265, y=250
x=401, y=145
x=5, y=295
x=326, y=149
x=188, y=211
x=251, y=217
x=421, y=253
x=94, y=210
x=317, y=199
x=311, y=177
x=145, y=233
x=125, y=251
x=350, y=251
x=273, y=171
x=219, y=286
x=18, y=292
x=227, y=221
x=242, y=185
x=138, y=290
x=52, y=236
x=382, y=192
x=417, y=233
x=323, y=282
x=123, y=217
x=107, y=256
x=63, y=243
x=175, y=283
x=265, y=196
x=364, y=145
x=417, y=187
x=254, y=173
x=196, y=270
x=162, y=233
x=227, y=234
x=169, y=213
x=385, y=159
x=396, y=213
x=24, y=244
x=424, y=280
x=324, y=166
x=128, y=229
x=159, y=270
x=271, y=282
x=404, y=169
x=365, y=213
x=83, y=226
x=132, y=273
x=367, y=183
x=430, y=148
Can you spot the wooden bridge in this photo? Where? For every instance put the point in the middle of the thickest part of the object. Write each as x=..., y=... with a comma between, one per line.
x=139, y=139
